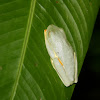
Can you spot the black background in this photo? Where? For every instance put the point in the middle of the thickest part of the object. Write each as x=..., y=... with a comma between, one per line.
x=88, y=86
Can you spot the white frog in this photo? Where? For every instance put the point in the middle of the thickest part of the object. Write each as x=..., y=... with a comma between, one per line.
x=62, y=56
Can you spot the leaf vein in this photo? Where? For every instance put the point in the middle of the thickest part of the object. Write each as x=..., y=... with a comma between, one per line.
x=27, y=33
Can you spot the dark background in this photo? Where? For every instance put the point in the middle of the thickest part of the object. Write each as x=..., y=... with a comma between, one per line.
x=88, y=86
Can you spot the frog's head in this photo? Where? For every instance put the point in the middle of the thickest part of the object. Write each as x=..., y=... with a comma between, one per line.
x=52, y=33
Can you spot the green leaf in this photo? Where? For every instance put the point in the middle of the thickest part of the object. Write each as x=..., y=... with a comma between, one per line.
x=25, y=69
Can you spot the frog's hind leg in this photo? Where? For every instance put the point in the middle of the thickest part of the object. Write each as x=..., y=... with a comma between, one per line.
x=75, y=61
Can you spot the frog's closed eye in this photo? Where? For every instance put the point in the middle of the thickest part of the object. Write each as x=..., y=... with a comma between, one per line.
x=49, y=33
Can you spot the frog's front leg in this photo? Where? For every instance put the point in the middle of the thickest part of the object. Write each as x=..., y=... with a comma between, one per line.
x=52, y=63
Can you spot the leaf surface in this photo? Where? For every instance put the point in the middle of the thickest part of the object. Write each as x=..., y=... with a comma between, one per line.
x=25, y=69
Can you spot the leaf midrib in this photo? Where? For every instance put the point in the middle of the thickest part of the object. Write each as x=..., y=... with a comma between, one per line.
x=26, y=38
